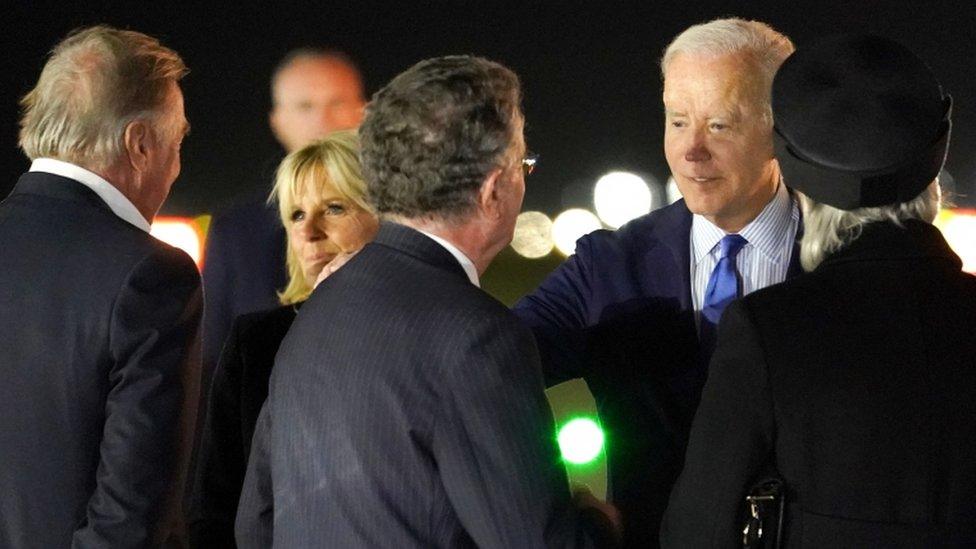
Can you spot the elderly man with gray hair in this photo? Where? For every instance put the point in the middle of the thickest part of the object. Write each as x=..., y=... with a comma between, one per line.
x=847, y=393
x=633, y=312
x=406, y=406
x=98, y=320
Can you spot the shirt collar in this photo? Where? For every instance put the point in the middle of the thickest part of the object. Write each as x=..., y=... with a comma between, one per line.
x=765, y=233
x=466, y=263
x=113, y=198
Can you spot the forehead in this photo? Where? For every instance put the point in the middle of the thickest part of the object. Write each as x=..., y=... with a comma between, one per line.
x=707, y=83
x=317, y=75
x=174, y=102
x=314, y=187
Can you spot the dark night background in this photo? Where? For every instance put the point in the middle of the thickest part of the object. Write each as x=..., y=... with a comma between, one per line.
x=589, y=70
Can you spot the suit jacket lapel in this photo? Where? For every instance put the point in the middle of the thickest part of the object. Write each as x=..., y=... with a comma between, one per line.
x=675, y=237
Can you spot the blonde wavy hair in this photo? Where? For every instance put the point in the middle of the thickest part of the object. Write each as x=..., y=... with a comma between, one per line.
x=97, y=81
x=332, y=160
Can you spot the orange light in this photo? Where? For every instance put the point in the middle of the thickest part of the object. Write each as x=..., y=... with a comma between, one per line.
x=181, y=232
x=959, y=229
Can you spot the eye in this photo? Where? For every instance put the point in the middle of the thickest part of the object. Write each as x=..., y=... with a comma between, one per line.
x=304, y=105
x=678, y=123
x=297, y=216
x=718, y=126
x=335, y=208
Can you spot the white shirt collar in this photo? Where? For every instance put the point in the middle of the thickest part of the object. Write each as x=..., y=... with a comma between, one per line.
x=765, y=233
x=116, y=201
x=466, y=263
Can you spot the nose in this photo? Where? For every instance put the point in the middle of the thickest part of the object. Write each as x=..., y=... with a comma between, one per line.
x=309, y=231
x=697, y=148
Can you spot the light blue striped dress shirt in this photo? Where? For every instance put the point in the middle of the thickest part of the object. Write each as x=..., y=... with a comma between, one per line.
x=762, y=262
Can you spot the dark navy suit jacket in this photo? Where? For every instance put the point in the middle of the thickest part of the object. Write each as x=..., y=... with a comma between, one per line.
x=406, y=409
x=244, y=267
x=618, y=313
x=97, y=323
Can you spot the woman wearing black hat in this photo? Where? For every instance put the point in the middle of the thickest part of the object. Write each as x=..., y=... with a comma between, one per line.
x=853, y=386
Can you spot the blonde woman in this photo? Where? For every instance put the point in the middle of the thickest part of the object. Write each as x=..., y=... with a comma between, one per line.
x=321, y=197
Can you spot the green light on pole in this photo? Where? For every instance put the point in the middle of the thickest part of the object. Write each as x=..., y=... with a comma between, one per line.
x=580, y=440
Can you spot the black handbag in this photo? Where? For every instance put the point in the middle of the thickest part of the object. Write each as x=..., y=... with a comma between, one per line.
x=765, y=507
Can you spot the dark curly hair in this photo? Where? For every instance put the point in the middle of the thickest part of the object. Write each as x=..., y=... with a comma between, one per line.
x=432, y=135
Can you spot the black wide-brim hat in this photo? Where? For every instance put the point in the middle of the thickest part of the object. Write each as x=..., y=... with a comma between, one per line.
x=860, y=121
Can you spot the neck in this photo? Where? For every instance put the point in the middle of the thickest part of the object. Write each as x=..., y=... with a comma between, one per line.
x=127, y=182
x=469, y=236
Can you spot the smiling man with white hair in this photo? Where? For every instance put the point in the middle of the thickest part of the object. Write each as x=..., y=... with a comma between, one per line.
x=633, y=312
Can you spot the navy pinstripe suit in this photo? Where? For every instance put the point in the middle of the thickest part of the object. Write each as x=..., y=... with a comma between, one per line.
x=406, y=409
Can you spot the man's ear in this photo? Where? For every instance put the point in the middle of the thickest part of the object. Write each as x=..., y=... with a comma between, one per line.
x=137, y=140
x=273, y=120
x=488, y=196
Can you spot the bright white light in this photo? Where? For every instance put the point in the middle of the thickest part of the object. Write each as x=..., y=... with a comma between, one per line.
x=570, y=225
x=674, y=194
x=179, y=233
x=533, y=235
x=959, y=229
x=580, y=440
x=620, y=197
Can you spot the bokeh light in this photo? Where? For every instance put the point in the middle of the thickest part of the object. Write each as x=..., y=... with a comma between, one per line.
x=570, y=225
x=533, y=235
x=959, y=229
x=580, y=440
x=181, y=233
x=620, y=197
x=674, y=194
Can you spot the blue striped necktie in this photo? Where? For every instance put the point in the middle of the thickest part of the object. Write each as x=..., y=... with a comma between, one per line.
x=723, y=286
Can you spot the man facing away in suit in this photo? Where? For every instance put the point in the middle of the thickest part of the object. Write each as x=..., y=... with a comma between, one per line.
x=633, y=312
x=98, y=320
x=406, y=406
x=314, y=92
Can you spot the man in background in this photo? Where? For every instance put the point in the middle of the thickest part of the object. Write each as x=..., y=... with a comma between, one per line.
x=314, y=92
x=98, y=320
x=633, y=312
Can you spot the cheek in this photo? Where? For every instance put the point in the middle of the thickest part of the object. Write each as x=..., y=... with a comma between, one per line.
x=671, y=149
x=352, y=232
x=294, y=238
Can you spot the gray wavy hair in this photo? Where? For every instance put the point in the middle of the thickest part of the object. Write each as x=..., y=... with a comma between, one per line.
x=827, y=229
x=433, y=134
x=765, y=47
x=97, y=81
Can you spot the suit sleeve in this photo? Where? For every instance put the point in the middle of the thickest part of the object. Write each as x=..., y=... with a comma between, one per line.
x=221, y=462
x=150, y=408
x=731, y=441
x=494, y=444
x=557, y=312
x=255, y=515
